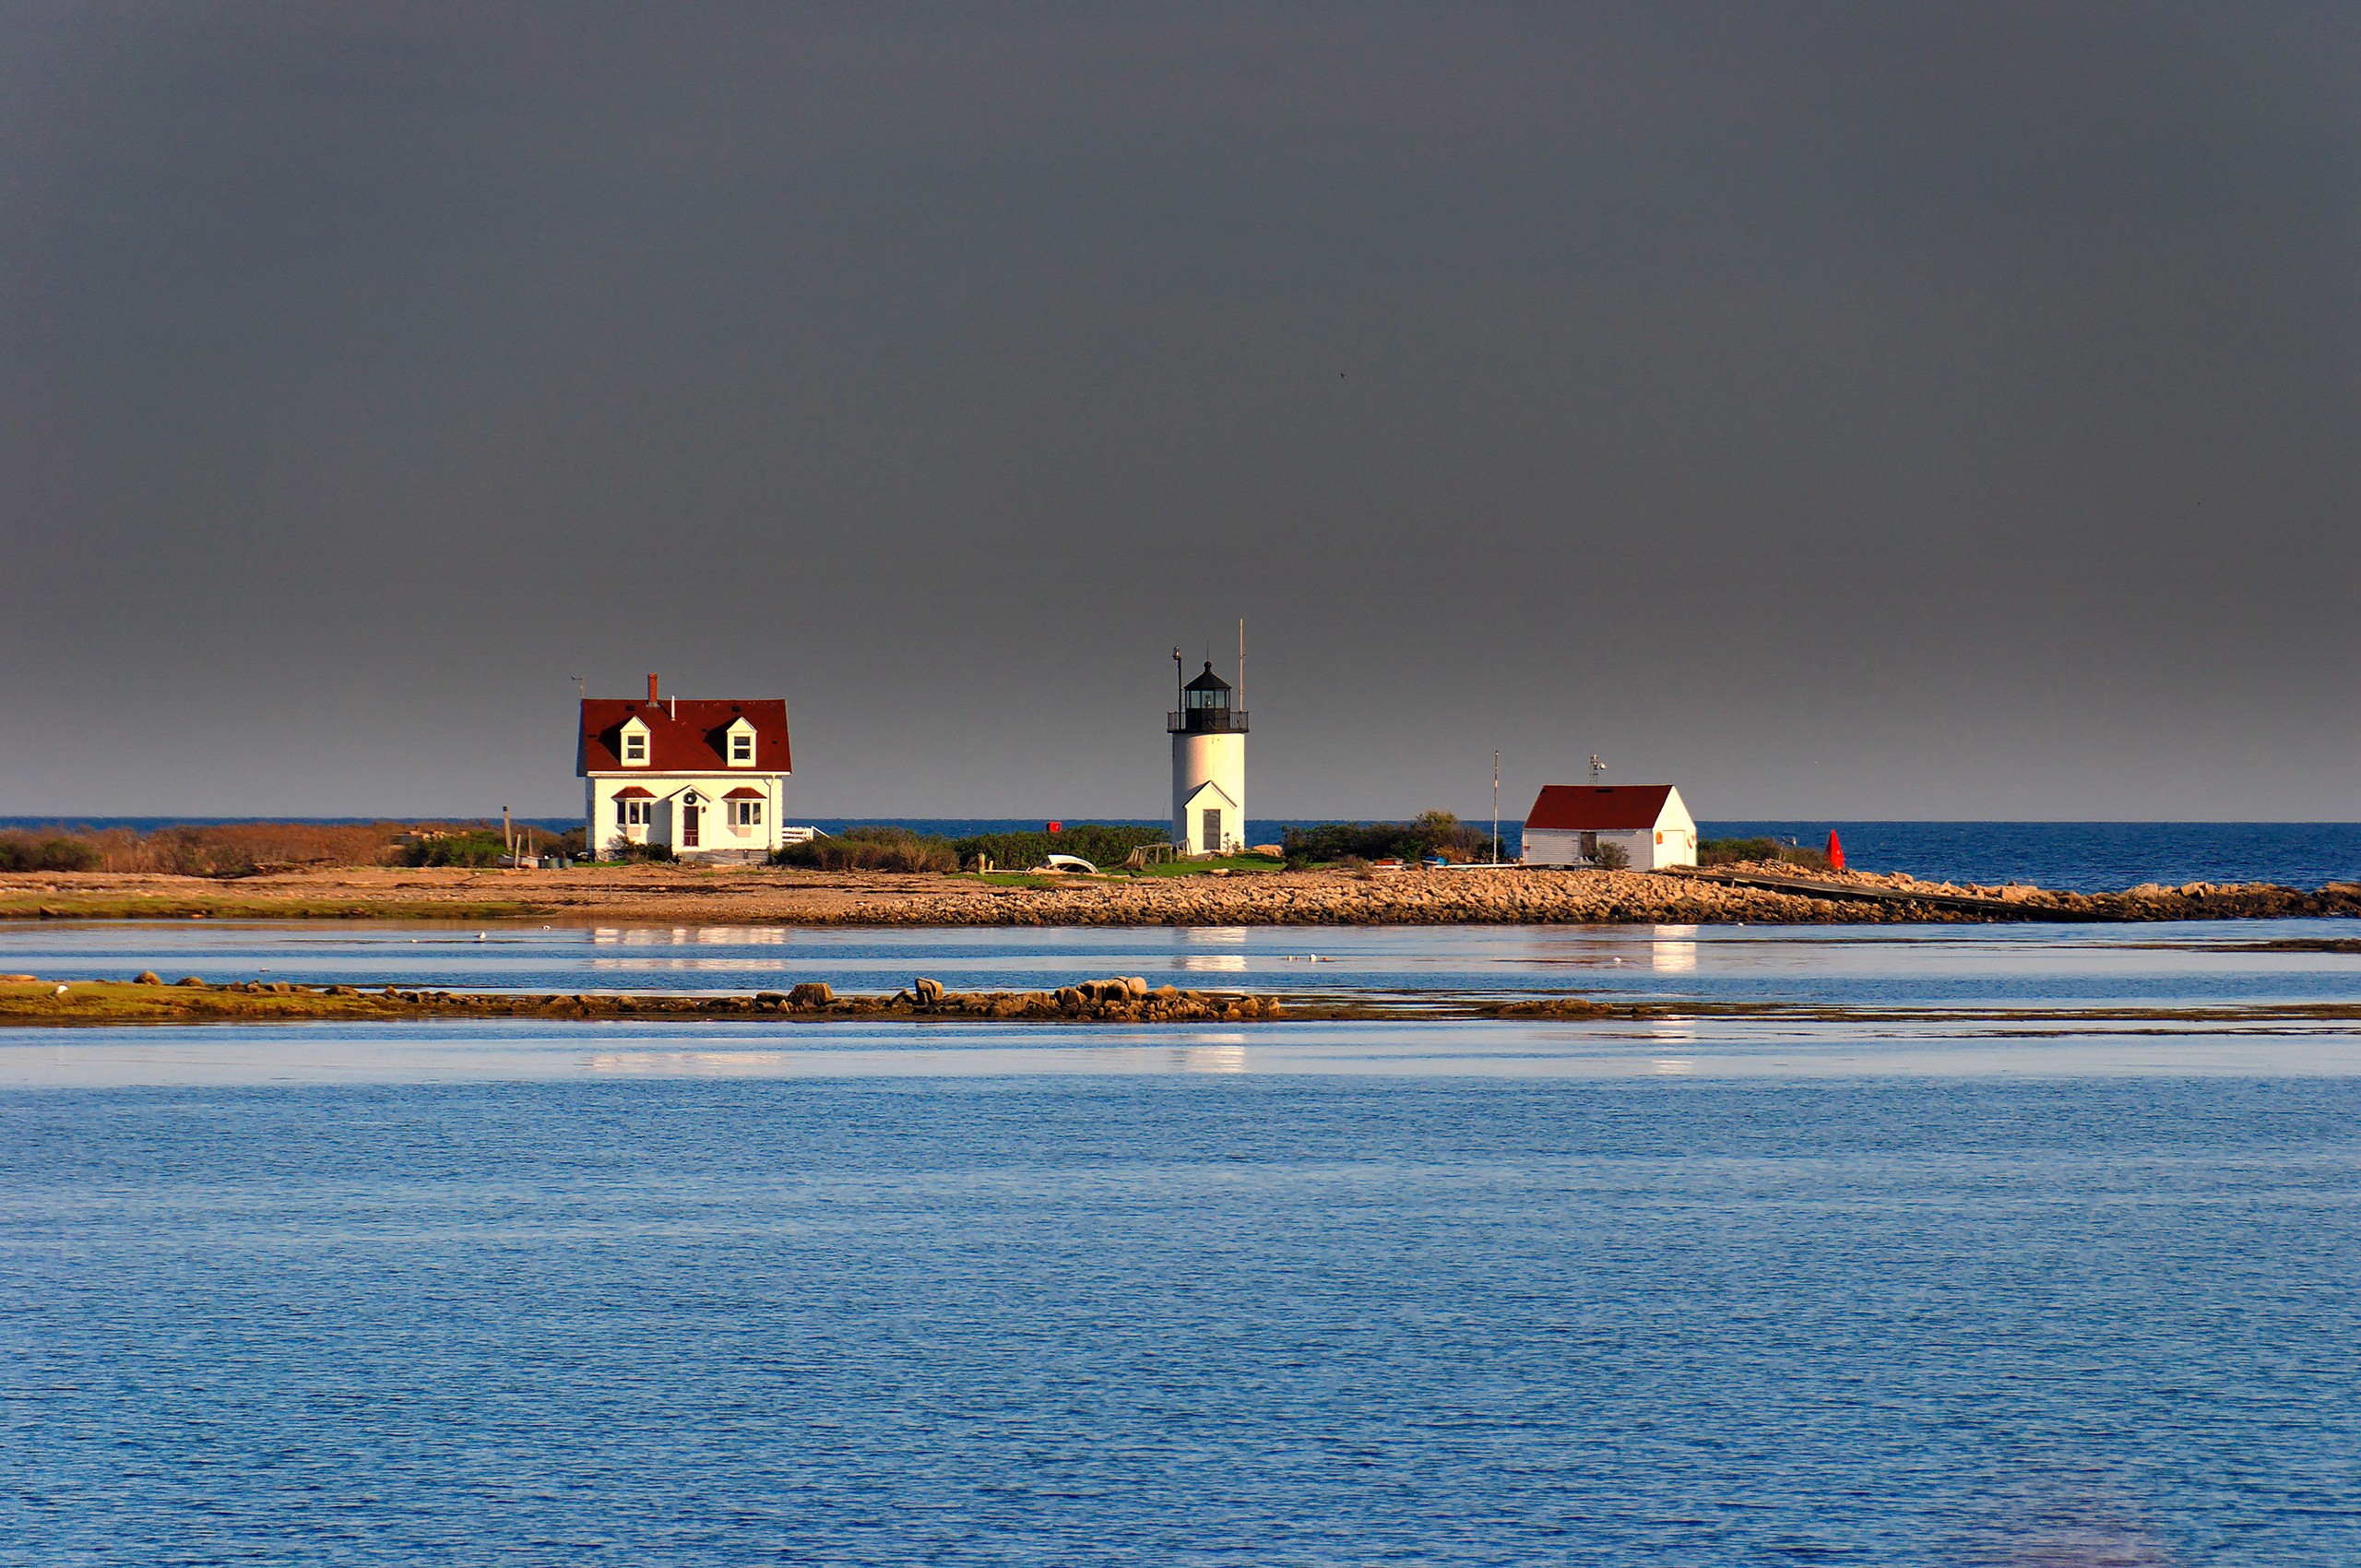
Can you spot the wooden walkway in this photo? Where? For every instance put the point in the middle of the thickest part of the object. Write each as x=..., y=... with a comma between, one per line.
x=1967, y=903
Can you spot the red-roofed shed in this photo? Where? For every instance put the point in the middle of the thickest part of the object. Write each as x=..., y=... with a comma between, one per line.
x=1570, y=822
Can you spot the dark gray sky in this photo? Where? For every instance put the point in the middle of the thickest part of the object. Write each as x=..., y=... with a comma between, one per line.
x=1839, y=411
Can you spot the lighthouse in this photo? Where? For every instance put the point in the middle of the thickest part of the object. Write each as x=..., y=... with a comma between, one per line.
x=1208, y=766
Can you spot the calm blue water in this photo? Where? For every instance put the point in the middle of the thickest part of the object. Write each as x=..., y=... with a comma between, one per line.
x=1217, y=1320
x=1680, y=1291
x=2082, y=856
x=2182, y=963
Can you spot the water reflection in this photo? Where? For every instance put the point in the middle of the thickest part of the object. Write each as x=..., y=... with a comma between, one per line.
x=1673, y=949
x=702, y=936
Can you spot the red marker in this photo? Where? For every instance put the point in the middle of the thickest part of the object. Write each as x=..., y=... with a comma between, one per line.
x=1836, y=851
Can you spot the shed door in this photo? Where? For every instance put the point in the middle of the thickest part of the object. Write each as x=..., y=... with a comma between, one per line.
x=1211, y=828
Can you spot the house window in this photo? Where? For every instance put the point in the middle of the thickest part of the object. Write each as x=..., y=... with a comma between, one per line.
x=745, y=813
x=631, y=814
x=741, y=747
x=635, y=746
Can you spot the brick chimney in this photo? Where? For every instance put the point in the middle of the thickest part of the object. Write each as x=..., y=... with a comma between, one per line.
x=651, y=691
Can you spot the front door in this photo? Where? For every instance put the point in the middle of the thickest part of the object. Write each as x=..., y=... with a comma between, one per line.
x=1211, y=830
x=690, y=816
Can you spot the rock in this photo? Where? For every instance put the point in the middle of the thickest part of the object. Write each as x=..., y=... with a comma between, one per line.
x=811, y=994
x=147, y=977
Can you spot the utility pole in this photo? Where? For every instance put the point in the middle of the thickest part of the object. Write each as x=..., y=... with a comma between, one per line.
x=1496, y=808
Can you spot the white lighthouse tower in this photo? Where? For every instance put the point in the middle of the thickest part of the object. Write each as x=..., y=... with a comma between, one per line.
x=1208, y=765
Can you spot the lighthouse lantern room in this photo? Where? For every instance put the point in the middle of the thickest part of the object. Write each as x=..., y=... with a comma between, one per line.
x=1208, y=765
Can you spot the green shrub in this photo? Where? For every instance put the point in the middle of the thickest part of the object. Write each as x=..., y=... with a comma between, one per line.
x=1740, y=851
x=22, y=851
x=474, y=847
x=871, y=849
x=1433, y=833
x=1102, y=844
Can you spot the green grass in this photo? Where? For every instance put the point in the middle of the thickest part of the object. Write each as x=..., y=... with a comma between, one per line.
x=1219, y=862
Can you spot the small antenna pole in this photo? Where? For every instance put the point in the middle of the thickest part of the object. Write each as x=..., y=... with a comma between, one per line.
x=1496, y=808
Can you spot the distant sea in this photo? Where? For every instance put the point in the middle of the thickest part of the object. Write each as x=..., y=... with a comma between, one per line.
x=2081, y=856
x=2084, y=856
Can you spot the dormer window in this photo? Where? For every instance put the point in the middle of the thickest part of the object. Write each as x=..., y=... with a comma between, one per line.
x=740, y=745
x=634, y=744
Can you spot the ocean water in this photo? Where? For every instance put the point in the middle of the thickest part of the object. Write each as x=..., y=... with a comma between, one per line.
x=1947, y=1287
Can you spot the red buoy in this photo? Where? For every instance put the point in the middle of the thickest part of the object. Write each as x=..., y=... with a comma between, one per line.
x=1836, y=851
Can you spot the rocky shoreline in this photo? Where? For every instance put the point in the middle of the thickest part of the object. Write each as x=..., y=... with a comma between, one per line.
x=1762, y=895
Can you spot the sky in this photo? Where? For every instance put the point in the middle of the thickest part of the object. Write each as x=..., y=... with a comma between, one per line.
x=1840, y=411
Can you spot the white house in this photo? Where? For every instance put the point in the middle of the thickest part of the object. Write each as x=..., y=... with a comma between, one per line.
x=705, y=776
x=1569, y=821
x=1208, y=767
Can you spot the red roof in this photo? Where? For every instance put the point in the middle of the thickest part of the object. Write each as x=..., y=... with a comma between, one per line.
x=684, y=734
x=1592, y=808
